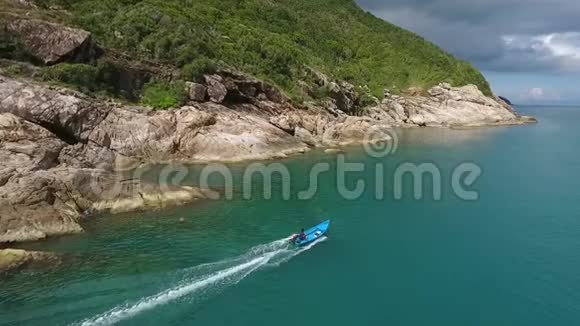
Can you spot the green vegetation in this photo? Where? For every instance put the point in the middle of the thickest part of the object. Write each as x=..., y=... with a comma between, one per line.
x=99, y=80
x=16, y=69
x=162, y=96
x=272, y=40
x=198, y=67
x=12, y=49
x=83, y=77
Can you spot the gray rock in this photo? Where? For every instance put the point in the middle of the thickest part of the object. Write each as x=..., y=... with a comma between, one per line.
x=88, y=156
x=384, y=113
x=305, y=136
x=53, y=43
x=24, y=4
x=319, y=78
x=216, y=90
x=457, y=107
x=345, y=96
x=437, y=91
x=241, y=88
x=34, y=206
x=197, y=92
x=16, y=259
x=69, y=115
x=26, y=146
x=288, y=123
x=133, y=132
x=320, y=129
x=232, y=135
x=387, y=94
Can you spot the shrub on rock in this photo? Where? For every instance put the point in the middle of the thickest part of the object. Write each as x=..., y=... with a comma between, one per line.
x=164, y=95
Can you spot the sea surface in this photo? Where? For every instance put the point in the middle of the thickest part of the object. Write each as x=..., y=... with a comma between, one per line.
x=510, y=257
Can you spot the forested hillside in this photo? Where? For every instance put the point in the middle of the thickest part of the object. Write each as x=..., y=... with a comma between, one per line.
x=271, y=39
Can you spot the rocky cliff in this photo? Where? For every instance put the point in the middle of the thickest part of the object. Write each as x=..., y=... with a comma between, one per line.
x=63, y=151
x=54, y=141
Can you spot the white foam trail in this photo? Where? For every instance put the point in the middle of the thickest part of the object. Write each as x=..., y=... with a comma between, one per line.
x=121, y=313
x=295, y=253
x=272, y=254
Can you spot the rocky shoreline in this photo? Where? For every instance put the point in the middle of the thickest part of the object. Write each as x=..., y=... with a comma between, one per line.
x=65, y=153
x=55, y=141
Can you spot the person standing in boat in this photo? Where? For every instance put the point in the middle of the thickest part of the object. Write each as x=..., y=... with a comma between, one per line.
x=300, y=236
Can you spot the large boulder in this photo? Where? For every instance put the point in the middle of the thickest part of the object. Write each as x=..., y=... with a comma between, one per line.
x=318, y=77
x=26, y=146
x=243, y=88
x=343, y=95
x=347, y=99
x=69, y=115
x=196, y=92
x=36, y=205
x=235, y=87
x=52, y=43
x=215, y=88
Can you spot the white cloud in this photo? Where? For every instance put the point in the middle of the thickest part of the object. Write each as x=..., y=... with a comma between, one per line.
x=559, y=49
x=539, y=94
x=536, y=93
x=496, y=35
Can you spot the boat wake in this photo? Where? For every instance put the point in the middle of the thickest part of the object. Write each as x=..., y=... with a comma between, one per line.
x=213, y=276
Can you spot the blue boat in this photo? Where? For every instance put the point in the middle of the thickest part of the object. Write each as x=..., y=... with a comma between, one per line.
x=313, y=234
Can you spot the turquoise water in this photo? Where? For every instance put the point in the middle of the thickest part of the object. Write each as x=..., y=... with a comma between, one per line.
x=510, y=258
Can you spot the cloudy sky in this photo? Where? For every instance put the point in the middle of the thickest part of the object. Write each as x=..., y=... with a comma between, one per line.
x=529, y=50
